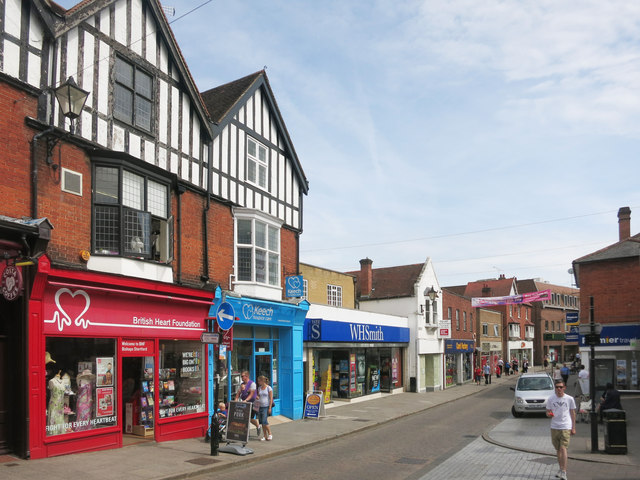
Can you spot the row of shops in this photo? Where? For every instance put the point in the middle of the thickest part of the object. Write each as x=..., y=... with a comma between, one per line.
x=110, y=356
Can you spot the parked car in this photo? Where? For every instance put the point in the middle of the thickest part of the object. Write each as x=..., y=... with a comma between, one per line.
x=532, y=391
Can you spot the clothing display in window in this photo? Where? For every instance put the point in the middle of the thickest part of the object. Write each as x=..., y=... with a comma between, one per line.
x=56, y=403
x=84, y=404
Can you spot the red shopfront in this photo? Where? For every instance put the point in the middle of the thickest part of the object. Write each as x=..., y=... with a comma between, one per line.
x=112, y=356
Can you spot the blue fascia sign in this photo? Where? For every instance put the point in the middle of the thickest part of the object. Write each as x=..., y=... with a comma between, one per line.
x=321, y=330
x=294, y=286
x=459, y=346
x=253, y=311
x=616, y=335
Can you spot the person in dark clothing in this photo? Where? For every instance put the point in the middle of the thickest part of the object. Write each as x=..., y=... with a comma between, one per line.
x=610, y=399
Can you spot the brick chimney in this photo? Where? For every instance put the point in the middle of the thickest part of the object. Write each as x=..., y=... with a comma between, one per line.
x=366, y=277
x=624, y=223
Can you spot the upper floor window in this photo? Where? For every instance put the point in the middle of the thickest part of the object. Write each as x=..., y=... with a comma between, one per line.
x=449, y=313
x=257, y=165
x=130, y=215
x=305, y=289
x=514, y=330
x=133, y=95
x=464, y=321
x=334, y=295
x=485, y=329
x=496, y=330
x=457, y=319
x=258, y=251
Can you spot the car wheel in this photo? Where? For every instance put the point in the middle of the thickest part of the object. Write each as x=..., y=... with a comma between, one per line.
x=515, y=413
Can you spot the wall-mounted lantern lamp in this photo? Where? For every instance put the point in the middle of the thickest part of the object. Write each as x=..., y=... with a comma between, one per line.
x=431, y=294
x=71, y=99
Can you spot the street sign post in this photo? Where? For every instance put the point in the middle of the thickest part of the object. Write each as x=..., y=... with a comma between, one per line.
x=225, y=316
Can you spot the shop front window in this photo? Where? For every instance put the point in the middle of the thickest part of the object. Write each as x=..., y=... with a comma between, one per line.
x=80, y=384
x=181, y=386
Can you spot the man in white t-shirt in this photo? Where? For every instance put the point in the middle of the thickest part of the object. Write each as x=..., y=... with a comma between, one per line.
x=562, y=410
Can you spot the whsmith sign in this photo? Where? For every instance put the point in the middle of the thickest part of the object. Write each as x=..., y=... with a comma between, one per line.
x=320, y=330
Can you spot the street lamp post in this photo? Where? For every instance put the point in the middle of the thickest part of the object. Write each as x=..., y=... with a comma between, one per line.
x=593, y=338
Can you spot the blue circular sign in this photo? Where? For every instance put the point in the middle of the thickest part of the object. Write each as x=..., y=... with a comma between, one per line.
x=225, y=316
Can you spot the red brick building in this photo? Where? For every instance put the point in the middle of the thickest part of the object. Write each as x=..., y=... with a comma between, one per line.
x=124, y=225
x=459, y=362
x=610, y=280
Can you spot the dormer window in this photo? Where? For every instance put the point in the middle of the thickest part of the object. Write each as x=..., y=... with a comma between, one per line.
x=133, y=95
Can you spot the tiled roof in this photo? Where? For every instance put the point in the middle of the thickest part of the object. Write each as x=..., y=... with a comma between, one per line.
x=221, y=99
x=499, y=288
x=629, y=247
x=391, y=282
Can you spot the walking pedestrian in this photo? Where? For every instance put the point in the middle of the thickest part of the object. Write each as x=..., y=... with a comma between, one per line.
x=264, y=401
x=247, y=393
x=565, y=371
x=561, y=408
x=487, y=373
x=478, y=375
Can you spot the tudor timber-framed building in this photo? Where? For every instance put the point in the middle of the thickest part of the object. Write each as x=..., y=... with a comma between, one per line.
x=123, y=230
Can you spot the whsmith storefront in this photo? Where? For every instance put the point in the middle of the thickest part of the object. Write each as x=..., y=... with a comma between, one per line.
x=351, y=353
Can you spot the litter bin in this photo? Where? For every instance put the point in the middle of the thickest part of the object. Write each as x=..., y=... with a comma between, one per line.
x=615, y=431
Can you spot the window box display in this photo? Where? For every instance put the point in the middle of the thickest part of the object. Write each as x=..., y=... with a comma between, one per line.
x=75, y=402
x=181, y=378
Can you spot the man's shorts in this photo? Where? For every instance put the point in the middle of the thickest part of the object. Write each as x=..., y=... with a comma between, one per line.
x=560, y=438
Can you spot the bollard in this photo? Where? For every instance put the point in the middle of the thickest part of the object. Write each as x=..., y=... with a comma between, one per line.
x=215, y=434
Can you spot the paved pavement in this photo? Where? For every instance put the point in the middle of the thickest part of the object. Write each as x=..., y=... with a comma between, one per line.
x=508, y=451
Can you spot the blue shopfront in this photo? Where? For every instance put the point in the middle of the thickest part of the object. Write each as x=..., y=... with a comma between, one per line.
x=349, y=359
x=458, y=364
x=264, y=338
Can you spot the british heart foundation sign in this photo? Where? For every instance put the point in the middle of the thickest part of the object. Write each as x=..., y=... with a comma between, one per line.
x=76, y=311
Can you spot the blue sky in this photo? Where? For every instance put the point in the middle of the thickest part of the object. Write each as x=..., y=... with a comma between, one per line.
x=495, y=137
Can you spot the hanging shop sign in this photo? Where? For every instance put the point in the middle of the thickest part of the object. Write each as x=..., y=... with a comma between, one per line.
x=293, y=286
x=11, y=282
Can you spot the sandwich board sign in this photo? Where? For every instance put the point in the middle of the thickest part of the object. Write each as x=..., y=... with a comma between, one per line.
x=314, y=405
x=238, y=428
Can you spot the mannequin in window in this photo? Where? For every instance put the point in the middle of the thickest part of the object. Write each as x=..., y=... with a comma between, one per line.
x=56, y=404
x=84, y=405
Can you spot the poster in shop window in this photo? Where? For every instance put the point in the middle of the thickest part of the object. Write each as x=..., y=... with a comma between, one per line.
x=104, y=400
x=104, y=371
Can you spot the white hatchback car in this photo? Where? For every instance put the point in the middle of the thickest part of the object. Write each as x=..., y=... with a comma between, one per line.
x=532, y=391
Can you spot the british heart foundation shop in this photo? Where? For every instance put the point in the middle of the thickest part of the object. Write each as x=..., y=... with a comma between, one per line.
x=113, y=356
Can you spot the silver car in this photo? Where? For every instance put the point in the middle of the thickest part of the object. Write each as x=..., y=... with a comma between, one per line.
x=532, y=392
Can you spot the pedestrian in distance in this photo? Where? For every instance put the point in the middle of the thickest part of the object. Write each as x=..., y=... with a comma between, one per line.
x=561, y=408
x=247, y=393
x=565, y=371
x=610, y=399
x=487, y=373
x=265, y=403
x=546, y=362
x=507, y=368
x=557, y=375
x=478, y=375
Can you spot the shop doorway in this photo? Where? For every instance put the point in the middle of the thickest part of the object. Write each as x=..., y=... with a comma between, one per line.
x=138, y=399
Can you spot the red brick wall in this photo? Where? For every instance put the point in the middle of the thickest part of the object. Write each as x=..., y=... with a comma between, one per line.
x=462, y=304
x=615, y=289
x=220, y=226
x=15, y=161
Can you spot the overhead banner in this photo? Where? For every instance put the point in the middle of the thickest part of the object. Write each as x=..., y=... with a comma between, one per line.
x=512, y=299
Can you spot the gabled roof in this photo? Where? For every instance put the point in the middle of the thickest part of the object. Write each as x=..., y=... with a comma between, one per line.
x=59, y=21
x=500, y=287
x=532, y=285
x=391, y=282
x=225, y=101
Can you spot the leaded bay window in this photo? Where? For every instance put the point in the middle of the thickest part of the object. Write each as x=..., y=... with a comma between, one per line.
x=258, y=251
x=131, y=215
